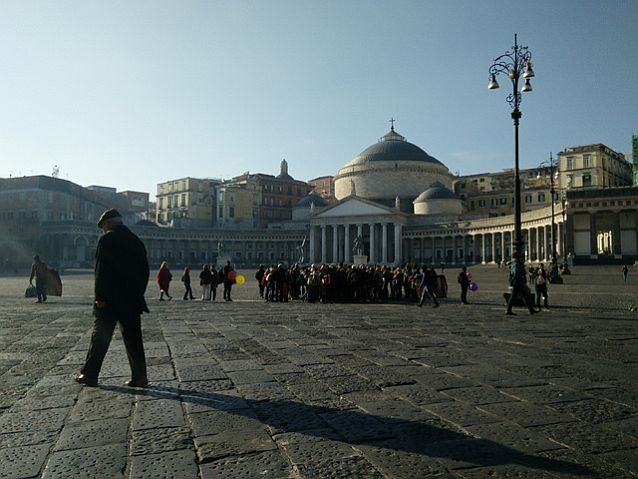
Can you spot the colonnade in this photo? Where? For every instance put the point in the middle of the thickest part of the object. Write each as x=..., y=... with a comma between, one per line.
x=488, y=247
x=334, y=243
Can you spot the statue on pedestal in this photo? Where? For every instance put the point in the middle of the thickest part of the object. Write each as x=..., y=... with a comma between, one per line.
x=357, y=245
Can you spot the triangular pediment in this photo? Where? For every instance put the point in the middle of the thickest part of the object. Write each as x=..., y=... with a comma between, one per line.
x=353, y=206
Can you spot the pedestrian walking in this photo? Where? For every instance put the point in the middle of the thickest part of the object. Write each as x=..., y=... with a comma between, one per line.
x=259, y=276
x=39, y=271
x=541, y=287
x=228, y=282
x=428, y=286
x=214, y=275
x=206, y=282
x=164, y=277
x=465, y=283
x=121, y=277
x=625, y=273
x=186, y=279
x=518, y=282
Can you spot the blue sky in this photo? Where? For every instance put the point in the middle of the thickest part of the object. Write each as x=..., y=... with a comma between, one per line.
x=132, y=93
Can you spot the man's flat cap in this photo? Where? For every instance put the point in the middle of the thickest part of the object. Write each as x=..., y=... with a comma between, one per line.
x=107, y=215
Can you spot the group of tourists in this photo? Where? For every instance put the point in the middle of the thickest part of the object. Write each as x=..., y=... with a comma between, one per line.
x=347, y=283
x=209, y=280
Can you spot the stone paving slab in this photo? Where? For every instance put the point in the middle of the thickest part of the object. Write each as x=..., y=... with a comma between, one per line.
x=249, y=389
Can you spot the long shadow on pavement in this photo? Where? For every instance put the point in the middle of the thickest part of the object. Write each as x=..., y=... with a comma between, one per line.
x=426, y=437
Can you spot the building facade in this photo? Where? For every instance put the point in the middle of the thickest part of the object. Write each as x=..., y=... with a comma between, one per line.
x=593, y=166
x=275, y=196
x=324, y=186
x=187, y=202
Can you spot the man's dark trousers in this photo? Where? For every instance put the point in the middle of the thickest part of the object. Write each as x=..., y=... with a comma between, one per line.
x=464, y=293
x=103, y=327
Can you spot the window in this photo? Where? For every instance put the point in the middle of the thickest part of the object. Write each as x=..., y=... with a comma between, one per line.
x=183, y=203
x=586, y=179
x=481, y=203
x=503, y=201
x=528, y=199
x=570, y=162
x=472, y=204
x=586, y=161
x=541, y=197
x=494, y=202
x=231, y=212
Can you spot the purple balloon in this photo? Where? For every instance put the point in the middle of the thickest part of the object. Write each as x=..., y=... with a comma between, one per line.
x=473, y=286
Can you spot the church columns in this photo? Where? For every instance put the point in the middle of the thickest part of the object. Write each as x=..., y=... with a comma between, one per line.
x=335, y=243
x=397, y=243
x=502, y=246
x=493, y=259
x=384, y=243
x=373, y=254
x=313, y=244
x=346, y=243
x=538, y=244
x=472, y=247
x=483, y=249
x=323, y=244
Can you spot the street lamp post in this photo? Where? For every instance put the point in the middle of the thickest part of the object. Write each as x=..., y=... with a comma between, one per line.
x=554, y=275
x=516, y=64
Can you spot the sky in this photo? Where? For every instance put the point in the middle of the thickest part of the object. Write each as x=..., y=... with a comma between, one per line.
x=133, y=93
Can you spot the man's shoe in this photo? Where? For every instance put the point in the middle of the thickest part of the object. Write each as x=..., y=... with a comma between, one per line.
x=82, y=379
x=436, y=305
x=509, y=313
x=136, y=384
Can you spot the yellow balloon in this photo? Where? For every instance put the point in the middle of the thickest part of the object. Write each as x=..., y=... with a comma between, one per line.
x=240, y=279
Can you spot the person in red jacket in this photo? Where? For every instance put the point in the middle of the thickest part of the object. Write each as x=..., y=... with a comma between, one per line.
x=164, y=277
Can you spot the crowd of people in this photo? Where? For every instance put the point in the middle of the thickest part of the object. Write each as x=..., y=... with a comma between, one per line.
x=346, y=283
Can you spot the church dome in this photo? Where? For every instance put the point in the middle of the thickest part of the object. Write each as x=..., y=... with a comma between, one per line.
x=438, y=200
x=311, y=198
x=393, y=147
x=436, y=191
x=391, y=167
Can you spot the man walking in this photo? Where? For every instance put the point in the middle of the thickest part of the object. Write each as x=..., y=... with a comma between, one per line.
x=228, y=282
x=121, y=277
x=464, y=282
x=519, y=286
x=428, y=286
x=39, y=272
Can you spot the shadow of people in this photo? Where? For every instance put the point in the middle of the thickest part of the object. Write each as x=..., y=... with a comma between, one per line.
x=427, y=435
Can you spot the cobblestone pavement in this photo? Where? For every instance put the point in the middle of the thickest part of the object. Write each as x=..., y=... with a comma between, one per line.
x=254, y=390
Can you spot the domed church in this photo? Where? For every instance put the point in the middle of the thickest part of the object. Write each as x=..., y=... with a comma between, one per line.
x=391, y=168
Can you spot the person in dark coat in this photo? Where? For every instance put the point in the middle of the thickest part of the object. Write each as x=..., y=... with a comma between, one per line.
x=518, y=282
x=259, y=275
x=121, y=277
x=464, y=282
x=428, y=287
x=214, y=278
x=39, y=272
x=206, y=280
x=228, y=282
x=186, y=279
x=164, y=277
